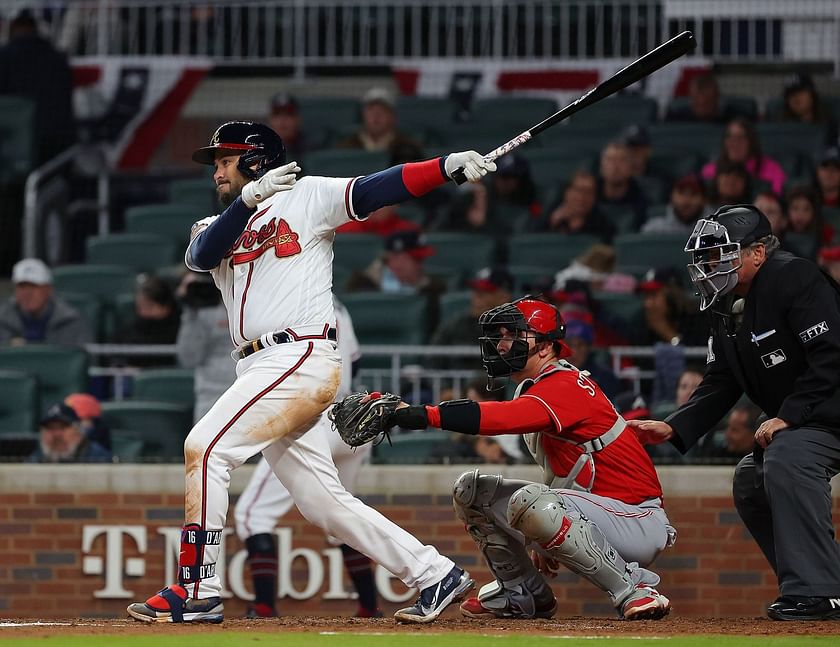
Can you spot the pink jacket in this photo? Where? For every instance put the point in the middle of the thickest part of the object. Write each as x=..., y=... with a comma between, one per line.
x=771, y=171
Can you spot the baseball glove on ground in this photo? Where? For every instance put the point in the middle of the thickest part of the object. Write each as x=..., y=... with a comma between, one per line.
x=364, y=417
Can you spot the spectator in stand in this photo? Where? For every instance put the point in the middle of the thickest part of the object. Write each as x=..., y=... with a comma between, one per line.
x=477, y=207
x=491, y=287
x=804, y=218
x=829, y=260
x=34, y=315
x=596, y=267
x=379, y=129
x=704, y=103
x=687, y=206
x=156, y=320
x=802, y=104
x=400, y=271
x=732, y=184
x=577, y=213
x=89, y=410
x=828, y=177
x=573, y=295
x=382, y=222
x=688, y=380
x=771, y=206
x=637, y=140
x=737, y=437
x=284, y=119
x=742, y=146
x=616, y=184
x=63, y=441
x=670, y=315
x=580, y=335
x=203, y=342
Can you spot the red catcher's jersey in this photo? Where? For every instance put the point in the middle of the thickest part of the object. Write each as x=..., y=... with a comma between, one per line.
x=580, y=412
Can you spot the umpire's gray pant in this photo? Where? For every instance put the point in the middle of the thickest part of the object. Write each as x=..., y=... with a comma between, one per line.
x=785, y=502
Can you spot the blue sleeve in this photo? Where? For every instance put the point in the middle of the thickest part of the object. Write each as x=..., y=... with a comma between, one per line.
x=209, y=248
x=397, y=184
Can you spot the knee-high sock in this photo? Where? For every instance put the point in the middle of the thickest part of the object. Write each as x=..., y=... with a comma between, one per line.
x=262, y=559
x=359, y=568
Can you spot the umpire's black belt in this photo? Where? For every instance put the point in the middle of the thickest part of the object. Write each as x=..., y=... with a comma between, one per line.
x=282, y=337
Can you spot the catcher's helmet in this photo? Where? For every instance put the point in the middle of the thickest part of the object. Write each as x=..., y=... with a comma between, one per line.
x=257, y=144
x=527, y=314
x=715, y=246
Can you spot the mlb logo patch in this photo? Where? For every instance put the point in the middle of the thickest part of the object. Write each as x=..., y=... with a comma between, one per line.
x=813, y=331
x=773, y=358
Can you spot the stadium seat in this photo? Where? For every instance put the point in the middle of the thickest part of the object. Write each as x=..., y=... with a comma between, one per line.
x=621, y=216
x=127, y=446
x=461, y=253
x=774, y=109
x=530, y=278
x=356, y=251
x=807, y=139
x=516, y=113
x=551, y=167
x=654, y=188
x=320, y=115
x=410, y=447
x=672, y=164
x=59, y=371
x=703, y=139
x=583, y=138
x=804, y=245
x=345, y=162
x=103, y=281
x=196, y=192
x=481, y=137
x=90, y=307
x=162, y=426
x=165, y=385
x=624, y=307
x=422, y=113
x=140, y=252
x=551, y=251
x=18, y=402
x=618, y=112
x=742, y=105
x=636, y=253
x=831, y=215
x=17, y=137
x=454, y=303
x=387, y=318
x=172, y=220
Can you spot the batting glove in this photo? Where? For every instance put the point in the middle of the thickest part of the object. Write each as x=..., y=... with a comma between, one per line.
x=274, y=181
x=474, y=165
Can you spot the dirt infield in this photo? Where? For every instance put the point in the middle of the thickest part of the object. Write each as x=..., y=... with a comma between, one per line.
x=567, y=626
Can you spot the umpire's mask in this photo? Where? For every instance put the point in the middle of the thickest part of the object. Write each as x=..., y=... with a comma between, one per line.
x=715, y=247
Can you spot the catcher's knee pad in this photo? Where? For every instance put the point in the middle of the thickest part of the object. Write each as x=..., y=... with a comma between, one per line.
x=475, y=491
x=194, y=540
x=542, y=516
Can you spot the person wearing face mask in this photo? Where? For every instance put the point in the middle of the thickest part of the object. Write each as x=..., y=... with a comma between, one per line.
x=775, y=337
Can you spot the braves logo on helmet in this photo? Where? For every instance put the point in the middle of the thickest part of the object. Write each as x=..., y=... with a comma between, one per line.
x=259, y=147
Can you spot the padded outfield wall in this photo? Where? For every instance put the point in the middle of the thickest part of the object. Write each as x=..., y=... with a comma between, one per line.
x=84, y=541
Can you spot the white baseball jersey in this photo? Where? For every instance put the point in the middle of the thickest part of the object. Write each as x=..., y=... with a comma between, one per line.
x=278, y=274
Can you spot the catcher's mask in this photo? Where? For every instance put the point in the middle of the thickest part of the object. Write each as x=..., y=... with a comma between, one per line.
x=535, y=318
x=715, y=246
x=256, y=144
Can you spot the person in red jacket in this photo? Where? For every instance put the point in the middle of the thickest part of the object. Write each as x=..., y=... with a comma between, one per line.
x=599, y=509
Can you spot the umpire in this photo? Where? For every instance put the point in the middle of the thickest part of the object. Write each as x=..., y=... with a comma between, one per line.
x=775, y=336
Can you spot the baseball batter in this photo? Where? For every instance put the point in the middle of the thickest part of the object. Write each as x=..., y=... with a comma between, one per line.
x=265, y=500
x=270, y=254
x=598, y=511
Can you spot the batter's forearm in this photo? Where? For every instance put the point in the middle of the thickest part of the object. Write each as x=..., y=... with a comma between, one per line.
x=208, y=249
x=397, y=184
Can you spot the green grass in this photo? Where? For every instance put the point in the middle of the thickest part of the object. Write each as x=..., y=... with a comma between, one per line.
x=235, y=639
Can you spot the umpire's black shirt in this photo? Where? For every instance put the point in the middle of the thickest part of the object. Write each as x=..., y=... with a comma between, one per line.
x=785, y=354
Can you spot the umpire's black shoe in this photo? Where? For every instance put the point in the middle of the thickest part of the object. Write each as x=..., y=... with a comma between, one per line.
x=795, y=607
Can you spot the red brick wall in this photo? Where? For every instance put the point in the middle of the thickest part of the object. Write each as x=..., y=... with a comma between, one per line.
x=714, y=569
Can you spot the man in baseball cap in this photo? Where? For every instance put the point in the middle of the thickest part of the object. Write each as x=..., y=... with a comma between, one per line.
x=63, y=441
x=285, y=119
x=35, y=315
x=828, y=177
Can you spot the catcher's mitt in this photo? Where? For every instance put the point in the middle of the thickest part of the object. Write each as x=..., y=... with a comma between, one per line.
x=364, y=417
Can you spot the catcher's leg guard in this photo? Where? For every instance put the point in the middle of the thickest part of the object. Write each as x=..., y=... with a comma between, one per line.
x=173, y=603
x=570, y=538
x=520, y=591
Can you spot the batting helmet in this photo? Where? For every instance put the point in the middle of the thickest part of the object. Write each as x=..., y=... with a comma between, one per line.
x=257, y=145
x=715, y=246
x=538, y=318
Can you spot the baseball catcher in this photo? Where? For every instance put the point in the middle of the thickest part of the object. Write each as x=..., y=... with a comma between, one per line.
x=598, y=511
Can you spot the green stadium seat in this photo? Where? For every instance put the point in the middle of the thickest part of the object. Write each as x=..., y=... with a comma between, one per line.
x=551, y=167
x=387, y=318
x=481, y=137
x=672, y=164
x=832, y=216
x=578, y=139
x=19, y=411
x=122, y=313
x=344, y=162
x=551, y=251
x=173, y=220
x=742, y=105
x=517, y=113
x=654, y=188
x=528, y=278
x=703, y=139
x=165, y=385
x=127, y=446
x=807, y=139
x=356, y=251
x=774, y=109
x=410, y=447
x=196, y=192
x=804, y=245
x=454, y=303
x=619, y=215
x=90, y=307
x=17, y=137
x=618, y=112
x=103, y=281
x=461, y=253
x=162, y=426
x=59, y=371
x=625, y=307
x=140, y=252
x=320, y=115
x=636, y=253
x=422, y=113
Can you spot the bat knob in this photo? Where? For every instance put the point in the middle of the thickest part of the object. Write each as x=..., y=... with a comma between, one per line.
x=458, y=176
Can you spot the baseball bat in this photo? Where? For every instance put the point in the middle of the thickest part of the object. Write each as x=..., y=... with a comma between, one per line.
x=647, y=64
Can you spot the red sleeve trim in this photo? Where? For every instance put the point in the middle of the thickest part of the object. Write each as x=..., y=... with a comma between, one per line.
x=519, y=416
x=434, y=416
x=422, y=177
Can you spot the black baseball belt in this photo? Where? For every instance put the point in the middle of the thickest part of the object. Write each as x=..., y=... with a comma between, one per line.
x=283, y=337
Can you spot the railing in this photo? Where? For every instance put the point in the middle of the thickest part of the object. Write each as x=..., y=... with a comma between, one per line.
x=374, y=32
